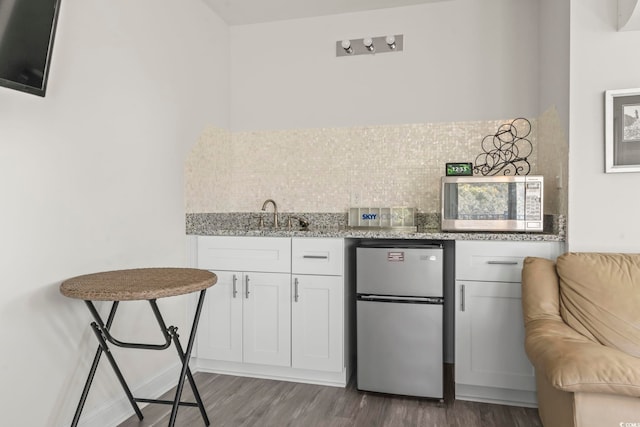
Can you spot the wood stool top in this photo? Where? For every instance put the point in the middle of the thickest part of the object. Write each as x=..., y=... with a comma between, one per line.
x=137, y=284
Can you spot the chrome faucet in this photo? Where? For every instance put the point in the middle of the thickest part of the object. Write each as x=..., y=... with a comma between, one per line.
x=275, y=211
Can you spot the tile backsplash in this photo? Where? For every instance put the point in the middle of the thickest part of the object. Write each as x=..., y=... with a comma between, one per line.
x=331, y=169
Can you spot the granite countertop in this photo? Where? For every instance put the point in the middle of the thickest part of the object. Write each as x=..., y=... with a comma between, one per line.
x=243, y=225
x=385, y=234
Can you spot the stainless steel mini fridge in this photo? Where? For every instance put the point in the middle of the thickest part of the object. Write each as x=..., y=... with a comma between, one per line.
x=399, y=309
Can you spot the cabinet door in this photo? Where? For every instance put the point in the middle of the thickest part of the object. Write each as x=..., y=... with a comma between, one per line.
x=220, y=330
x=316, y=325
x=267, y=318
x=490, y=336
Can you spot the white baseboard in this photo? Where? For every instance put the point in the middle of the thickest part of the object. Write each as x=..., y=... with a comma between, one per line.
x=499, y=396
x=117, y=410
x=280, y=373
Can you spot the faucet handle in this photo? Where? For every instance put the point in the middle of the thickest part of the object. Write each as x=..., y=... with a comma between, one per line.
x=302, y=222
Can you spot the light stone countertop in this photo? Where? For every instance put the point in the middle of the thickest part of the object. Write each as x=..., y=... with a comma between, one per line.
x=358, y=234
x=202, y=225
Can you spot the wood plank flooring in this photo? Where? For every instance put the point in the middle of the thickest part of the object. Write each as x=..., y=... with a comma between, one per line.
x=237, y=401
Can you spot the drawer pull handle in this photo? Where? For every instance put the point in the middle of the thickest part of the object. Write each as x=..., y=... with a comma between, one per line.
x=462, y=298
x=295, y=289
x=235, y=289
x=315, y=256
x=502, y=262
x=246, y=287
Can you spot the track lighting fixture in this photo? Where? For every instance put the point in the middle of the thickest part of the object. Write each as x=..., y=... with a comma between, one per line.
x=370, y=45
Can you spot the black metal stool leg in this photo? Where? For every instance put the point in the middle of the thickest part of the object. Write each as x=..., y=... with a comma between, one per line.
x=116, y=369
x=192, y=382
x=102, y=333
x=92, y=371
x=100, y=330
x=173, y=332
x=185, y=364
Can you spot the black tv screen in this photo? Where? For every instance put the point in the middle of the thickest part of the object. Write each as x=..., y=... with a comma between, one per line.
x=27, y=28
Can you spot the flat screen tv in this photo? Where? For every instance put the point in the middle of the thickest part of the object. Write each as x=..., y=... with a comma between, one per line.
x=27, y=29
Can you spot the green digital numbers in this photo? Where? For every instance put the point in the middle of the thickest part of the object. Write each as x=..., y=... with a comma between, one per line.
x=459, y=169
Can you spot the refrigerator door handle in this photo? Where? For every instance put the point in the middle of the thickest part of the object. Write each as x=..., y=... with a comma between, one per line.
x=388, y=298
x=462, y=302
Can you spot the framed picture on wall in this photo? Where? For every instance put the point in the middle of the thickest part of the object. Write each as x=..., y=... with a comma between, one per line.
x=622, y=130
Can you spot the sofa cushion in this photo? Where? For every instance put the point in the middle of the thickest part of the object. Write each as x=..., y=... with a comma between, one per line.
x=600, y=297
x=573, y=363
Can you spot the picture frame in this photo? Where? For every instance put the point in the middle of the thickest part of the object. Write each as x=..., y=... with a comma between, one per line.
x=622, y=130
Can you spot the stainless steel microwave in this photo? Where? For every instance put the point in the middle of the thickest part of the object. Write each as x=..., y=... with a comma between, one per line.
x=492, y=203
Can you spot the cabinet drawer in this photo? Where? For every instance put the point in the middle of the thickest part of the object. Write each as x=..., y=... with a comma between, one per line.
x=499, y=261
x=317, y=256
x=269, y=254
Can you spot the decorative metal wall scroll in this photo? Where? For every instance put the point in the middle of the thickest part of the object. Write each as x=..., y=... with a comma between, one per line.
x=507, y=151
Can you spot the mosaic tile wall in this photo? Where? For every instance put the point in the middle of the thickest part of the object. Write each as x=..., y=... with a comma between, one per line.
x=553, y=159
x=330, y=169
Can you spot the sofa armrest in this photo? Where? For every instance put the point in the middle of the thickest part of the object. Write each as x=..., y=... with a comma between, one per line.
x=540, y=290
x=571, y=362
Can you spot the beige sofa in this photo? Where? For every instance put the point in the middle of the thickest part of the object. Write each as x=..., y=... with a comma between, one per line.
x=582, y=321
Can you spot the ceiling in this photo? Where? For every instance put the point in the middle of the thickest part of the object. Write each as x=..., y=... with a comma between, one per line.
x=239, y=12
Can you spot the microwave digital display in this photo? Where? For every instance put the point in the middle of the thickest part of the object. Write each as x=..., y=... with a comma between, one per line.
x=503, y=203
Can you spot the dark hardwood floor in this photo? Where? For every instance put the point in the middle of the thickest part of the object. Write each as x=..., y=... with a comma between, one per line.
x=239, y=401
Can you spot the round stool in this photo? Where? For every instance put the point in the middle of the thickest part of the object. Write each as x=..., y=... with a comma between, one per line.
x=134, y=285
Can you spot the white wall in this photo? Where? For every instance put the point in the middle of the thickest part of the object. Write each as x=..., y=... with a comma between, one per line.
x=463, y=60
x=602, y=207
x=91, y=179
x=554, y=57
x=553, y=124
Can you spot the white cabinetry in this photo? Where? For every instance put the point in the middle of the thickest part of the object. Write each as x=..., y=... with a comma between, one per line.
x=220, y=331
x=266, y=319
x=247, y=313
x=317, y=327
x=261, y=320
x=491, y=364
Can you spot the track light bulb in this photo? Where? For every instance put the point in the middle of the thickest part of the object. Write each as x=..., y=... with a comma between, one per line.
x=368, y=43
x=391, y=42
x=346, y=45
